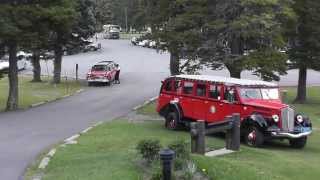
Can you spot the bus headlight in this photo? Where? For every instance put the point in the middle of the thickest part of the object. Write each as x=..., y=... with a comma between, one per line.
x=275, y=118
x=299, y=118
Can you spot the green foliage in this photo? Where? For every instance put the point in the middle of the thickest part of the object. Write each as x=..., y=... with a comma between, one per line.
x=182, y=153
x=149, y=149
x=156, y=173
x=305, y=35
x=180, y=148
x=247, y=35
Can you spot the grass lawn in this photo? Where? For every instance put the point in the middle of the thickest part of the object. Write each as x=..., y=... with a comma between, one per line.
x=31, y=93
x=108, y=152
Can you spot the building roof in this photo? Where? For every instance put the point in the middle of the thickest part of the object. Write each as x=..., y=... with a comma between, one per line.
x=227, y=80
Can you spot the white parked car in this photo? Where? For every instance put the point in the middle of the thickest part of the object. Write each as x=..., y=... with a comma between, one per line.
x=4, y=63
x=152, y=44
x=144, y=43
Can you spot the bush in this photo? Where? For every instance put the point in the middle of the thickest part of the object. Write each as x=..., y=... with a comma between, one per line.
x=156, y=173
x=180, y=148
x=149, y=149
x=182, y=154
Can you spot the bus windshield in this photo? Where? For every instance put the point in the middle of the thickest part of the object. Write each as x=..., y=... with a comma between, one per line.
x=259, y=93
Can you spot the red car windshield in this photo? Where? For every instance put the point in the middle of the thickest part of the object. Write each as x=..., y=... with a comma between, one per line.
x=100, y=68
x=259, y=93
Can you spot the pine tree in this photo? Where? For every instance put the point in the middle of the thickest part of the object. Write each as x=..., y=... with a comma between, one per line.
x=305, y=43
x=247, y=35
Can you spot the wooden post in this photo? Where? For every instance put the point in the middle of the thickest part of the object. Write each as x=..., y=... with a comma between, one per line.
x=194, y=134
x=201, y=129
x=235, y=137
x=228, y=133
x=284, y=95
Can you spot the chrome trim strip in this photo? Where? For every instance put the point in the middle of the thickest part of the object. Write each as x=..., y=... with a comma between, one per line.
x=290, y=135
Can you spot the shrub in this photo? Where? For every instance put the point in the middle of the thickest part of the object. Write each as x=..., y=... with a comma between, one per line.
x=149, y=149
x=182, y=154
x=156, y=173
x=180, y=148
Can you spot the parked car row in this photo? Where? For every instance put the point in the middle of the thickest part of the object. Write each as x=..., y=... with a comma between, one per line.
x=143, y=42
x=21, y=63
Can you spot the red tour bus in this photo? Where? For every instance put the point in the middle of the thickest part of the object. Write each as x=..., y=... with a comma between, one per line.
x=187, y=98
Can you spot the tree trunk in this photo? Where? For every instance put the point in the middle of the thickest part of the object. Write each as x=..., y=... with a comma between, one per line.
x=235, y=72
x=57, y=64
x=302, y=86
x=235, y=67
x=174, y=64
x=36, y=66
x=13, y=98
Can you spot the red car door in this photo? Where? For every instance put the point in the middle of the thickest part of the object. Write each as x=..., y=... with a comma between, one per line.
x=216, y=110
x=200, y=102
x=231, y=101
x=186, y=99
x=113, y=72
x=166, y=94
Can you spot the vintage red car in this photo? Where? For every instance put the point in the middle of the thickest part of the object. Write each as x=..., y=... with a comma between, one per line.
x=186, y=98
x=102, y=72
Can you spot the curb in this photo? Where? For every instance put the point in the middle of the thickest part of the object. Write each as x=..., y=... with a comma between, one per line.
x=145, y=103
x=56, y=99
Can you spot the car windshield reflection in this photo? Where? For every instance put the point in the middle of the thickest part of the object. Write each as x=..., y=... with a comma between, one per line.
x=259, y=93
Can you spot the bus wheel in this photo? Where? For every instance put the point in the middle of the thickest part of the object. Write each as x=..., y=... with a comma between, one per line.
x=254, y=137
x=172, y=121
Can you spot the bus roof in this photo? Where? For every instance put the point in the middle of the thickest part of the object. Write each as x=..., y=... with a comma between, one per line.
x=227, y=80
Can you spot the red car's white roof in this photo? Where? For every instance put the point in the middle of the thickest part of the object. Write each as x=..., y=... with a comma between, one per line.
x=227, y=80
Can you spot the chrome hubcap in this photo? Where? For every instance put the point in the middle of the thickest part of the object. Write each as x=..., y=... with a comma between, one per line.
x=252, y=137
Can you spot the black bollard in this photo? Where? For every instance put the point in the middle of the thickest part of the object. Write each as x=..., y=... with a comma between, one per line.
x=166, y=156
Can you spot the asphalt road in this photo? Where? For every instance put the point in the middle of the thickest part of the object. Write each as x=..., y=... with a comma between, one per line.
x=24, y=134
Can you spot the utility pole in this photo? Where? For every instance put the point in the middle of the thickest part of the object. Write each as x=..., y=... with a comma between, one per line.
x=96, y=19
x=126, y=17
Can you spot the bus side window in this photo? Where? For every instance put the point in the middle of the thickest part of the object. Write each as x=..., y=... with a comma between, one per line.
x=201, y=90
x=178, y=86
x=168, y=86
x=214, y=92
x=230, y=94
x=188, y=88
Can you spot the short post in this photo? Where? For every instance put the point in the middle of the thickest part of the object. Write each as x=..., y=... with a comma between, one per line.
x=235, y=145
x=233, y=135
x=284, y=95
x=201, y=145
x=77, y=72
x=166, y=156
x=194, y=136
x=228, y=132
